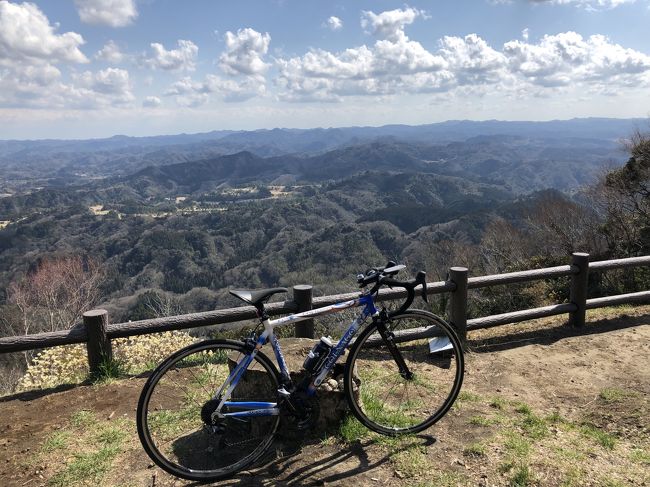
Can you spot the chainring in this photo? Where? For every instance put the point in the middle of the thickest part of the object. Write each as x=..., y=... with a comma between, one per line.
x=301, y=410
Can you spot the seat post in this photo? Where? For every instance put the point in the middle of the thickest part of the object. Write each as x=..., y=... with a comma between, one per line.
x=261, y=311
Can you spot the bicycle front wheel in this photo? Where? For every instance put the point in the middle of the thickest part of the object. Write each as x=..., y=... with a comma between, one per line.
x=175, y=417
x=392, y=399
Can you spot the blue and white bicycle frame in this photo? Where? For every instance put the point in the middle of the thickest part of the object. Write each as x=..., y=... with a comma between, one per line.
x=257, y=408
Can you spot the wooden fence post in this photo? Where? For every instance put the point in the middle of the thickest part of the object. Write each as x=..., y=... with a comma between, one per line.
x=302, y=295
x=458, y=301
x=578, y=292
x=98, y=345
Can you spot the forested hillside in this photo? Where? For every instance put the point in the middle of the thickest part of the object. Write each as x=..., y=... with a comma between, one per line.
x=181, y=231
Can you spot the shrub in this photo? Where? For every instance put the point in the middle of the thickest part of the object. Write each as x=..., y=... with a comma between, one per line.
x=69, y=363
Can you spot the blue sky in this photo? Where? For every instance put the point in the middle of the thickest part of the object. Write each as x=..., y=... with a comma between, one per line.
x=95, y=68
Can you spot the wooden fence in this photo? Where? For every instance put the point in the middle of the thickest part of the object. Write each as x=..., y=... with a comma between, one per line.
x=97, y=332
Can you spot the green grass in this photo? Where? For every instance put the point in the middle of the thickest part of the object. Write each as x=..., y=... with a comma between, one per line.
x=555, y=418
x=517, y=446
x=466, y=396
x=479, y=420
x=412, y=461
x=83, y=418
x=111, y=435
x=534, y=426
x=603, y=438
x=521, y=477
x=56, y=441
x=572, y=477
x=498, y=403
x=571, y=455
x=641, y=456
x=102, y=440
x=167, y=424
x=613, y=394
x=86, y=467
x=328, y=440
x=352, y=430
x=109, y=370
x=523, y=408
x=474, y=450
x=384, y=413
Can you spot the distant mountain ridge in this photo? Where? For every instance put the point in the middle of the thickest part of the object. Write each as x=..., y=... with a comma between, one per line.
x=517, y=164
x=321, y=138
x=525, y=156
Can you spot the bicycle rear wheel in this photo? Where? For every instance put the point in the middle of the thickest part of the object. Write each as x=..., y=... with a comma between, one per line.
x=391, y=401
x=176, y=403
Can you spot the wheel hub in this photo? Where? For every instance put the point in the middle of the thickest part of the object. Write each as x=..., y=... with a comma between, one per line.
x=208, y=410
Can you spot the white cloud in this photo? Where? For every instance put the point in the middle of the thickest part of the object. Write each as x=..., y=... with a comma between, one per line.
x=193, y=93
x=333, y=23
x=244, y=52
x=183, y=86
x=151, y=102
x=588, y=4
x=110, y=86
x=29, y=49
x=386, y=67
x=42, y=87
x=390, y=24
x=114, y=13
x=472, y=60
x=567, y=58
x=525, y=34
x=26, y=35
x=26, y=86
x=397, y=65
x=183, y=58
x=110, y=81
x=110, y=53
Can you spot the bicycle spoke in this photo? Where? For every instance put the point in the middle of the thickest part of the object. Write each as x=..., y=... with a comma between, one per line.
x=390, y=403
x=176, y=395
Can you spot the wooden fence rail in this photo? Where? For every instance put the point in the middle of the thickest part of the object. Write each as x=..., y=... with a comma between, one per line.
x=97, y=332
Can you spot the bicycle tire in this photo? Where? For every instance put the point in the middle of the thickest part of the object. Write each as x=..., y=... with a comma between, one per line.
x=169, y=421
x=386, y=402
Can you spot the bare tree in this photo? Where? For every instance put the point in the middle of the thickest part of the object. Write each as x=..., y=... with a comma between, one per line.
x=54, y=296
x=161, y=305
x=504, y=247
x=562, y=226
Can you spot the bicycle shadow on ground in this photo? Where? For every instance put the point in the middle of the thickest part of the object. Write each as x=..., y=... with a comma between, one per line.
x=550, y=335
x=291, y=466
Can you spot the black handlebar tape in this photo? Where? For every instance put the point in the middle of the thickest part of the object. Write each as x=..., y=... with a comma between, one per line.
x=389, y=281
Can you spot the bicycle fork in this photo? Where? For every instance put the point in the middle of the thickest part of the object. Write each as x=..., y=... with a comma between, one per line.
x=389, y=339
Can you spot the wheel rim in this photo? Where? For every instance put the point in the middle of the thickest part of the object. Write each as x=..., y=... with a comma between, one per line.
x=172, y=429
x=385, y=400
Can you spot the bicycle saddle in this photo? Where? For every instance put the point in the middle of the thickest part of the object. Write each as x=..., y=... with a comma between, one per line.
x=256, y=297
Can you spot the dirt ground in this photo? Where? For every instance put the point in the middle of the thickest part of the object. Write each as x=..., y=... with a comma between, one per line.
x=542, y=404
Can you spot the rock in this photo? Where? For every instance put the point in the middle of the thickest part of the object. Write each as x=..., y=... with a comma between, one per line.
x=332, y=403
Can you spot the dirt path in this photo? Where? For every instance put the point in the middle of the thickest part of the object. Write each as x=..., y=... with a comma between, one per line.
x=542, y=404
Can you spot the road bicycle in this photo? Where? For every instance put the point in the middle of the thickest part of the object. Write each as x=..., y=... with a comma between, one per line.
x=213, y=408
